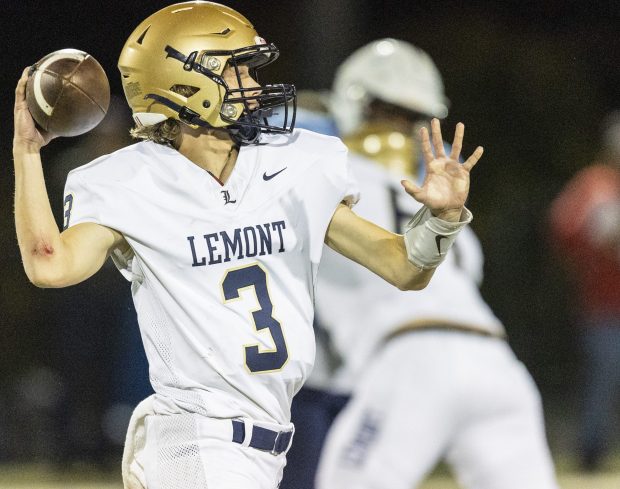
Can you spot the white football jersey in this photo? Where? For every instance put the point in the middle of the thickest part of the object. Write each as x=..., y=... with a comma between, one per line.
x=359, y=309
x=223, y=276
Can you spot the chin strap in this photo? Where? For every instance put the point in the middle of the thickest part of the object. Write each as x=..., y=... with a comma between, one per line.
x=245, y=134
x=185, y=114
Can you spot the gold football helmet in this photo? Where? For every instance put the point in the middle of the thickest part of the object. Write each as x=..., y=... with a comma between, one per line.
x=172, y=66
x=383, y=143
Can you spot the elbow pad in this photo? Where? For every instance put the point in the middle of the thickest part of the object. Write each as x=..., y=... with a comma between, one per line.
x=428, y=238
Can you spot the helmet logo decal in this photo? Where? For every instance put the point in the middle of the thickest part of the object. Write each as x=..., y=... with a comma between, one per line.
x=259, y=40
x=132, y=89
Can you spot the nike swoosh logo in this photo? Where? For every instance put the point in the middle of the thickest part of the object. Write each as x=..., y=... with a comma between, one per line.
x=269, y=177
x=438, y=242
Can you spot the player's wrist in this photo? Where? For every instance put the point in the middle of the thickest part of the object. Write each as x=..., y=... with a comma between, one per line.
x=428, y=238
x=449, y=215
x=23, y=146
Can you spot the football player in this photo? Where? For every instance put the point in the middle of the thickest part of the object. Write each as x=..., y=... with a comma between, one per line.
x=218, y=219
x=432, y=374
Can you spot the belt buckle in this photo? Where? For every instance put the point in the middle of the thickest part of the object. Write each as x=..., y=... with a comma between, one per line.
x=274, y=450
x=277, y=449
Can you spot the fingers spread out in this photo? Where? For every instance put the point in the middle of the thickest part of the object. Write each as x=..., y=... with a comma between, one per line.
x=437, y=149
x=457, y=144
x=412, y=189
x=473, y=159
x=437, y=139
x=427, y=152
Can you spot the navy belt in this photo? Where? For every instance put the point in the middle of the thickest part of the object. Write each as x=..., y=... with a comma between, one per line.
x=275, y=442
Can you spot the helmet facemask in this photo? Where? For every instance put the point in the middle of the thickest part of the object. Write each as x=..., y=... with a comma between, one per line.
x=246, y=109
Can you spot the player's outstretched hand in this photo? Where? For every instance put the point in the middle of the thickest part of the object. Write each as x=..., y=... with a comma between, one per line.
x=446, y=184
x=26, y=132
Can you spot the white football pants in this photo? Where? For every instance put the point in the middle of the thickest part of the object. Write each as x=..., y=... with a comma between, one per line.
x=433, y=395
x=191, y=451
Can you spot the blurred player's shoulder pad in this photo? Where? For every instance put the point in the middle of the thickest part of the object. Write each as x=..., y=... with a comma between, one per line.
x=368, y=170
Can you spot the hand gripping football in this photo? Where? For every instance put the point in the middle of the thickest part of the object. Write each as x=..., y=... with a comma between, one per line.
x=68, y=92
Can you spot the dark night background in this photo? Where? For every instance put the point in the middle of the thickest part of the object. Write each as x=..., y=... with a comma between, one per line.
x=532, y=80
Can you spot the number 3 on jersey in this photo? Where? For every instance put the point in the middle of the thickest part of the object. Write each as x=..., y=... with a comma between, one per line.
x=254, y=276
x=68, y=206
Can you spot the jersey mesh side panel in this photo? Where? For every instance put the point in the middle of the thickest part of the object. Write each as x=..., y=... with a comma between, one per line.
x=156, y=322
x=178, y=454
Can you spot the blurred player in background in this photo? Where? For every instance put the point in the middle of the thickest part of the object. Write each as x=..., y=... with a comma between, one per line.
x=221, y=239
x=432, y=374
x=585, y=220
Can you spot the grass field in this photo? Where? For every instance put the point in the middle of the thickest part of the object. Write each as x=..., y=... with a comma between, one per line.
x=41, y=477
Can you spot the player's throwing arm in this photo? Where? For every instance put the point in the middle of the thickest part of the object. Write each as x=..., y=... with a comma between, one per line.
x=408, y=261
x=51, y=259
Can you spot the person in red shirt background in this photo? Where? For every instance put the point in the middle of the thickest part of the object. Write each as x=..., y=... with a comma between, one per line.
x=585, y=222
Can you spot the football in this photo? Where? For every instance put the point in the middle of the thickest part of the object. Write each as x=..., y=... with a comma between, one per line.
x=68, y=92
